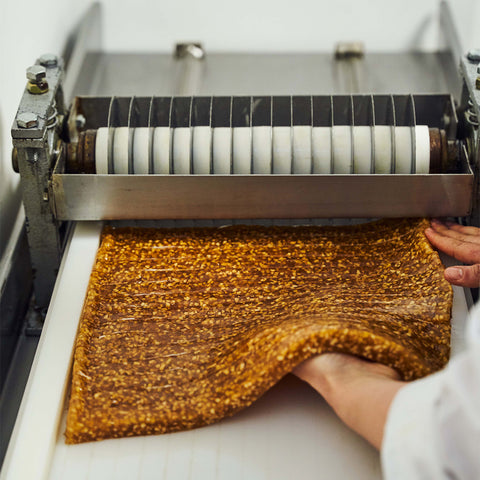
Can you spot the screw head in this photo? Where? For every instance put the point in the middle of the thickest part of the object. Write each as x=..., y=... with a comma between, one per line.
x=194, y=50
x=48, y=60
x=474, y=55
x=27, y=120
x=80, y=121
x=36, y=73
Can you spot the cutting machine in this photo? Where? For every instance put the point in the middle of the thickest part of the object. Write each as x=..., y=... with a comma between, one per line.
x=217, y=156
x=89, y=147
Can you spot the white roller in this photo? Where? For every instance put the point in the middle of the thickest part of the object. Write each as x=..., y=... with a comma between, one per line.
x=322, y=149
x=181, y=150
x=403, y=150
x=342, y=149
x=302, y=149
x=141, y=150
x=120, y=150
x=422, y=149
x=101, y=151
x=222, y=148
x=161, y=150
x=362, y=147
x=202, y=142
x=262, y=149
x=383, y=148
x=282, y=150
x=242, y=145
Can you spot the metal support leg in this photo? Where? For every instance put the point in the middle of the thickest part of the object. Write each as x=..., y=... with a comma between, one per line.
x=42, y=229
x=35, y=139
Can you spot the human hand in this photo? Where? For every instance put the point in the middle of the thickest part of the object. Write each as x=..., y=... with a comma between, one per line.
x=462, y=243
x=359, y=391
x=324, y=372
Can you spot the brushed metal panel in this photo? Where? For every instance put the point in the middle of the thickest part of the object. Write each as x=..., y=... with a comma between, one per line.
x=99, y=197
x=266, y=74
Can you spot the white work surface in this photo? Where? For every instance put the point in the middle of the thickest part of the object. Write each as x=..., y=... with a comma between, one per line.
x=290, y=433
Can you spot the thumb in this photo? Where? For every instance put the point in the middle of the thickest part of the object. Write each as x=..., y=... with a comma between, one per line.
x=464, y=276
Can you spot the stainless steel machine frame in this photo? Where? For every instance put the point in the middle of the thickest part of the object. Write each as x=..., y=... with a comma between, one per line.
x=53, y=197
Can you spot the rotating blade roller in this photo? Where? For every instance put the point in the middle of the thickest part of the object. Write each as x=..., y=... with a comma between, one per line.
x=264, y=150
x=366, y=134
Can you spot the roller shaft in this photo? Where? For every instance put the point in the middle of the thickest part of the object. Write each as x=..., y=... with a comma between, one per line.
x=261, y=150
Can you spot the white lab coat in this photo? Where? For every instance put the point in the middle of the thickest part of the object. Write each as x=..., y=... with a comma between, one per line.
x=433, y=426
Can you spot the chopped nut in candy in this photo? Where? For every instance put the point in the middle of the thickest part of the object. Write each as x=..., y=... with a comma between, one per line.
x=183, y=327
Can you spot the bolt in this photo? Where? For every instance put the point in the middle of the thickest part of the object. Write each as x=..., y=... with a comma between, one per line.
x=27, y=120
x=48, y=60
x=36, y=73
x=349, y=50
x=477, y=83
x=80, y=121
x=474, y=55
x=194, y=50
x=37, y=83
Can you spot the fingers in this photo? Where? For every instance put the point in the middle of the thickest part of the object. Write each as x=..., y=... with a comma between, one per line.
x=459, y=232
x=306, y=369
x=454, y=243
x=464, y=276
x=462, y=243
x=471, y=231
x=327, y=366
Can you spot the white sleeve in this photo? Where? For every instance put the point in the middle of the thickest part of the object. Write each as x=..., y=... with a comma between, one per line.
x=433, y=425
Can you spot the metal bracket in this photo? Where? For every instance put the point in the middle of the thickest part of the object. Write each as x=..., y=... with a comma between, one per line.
x=35, y=134
x=469, y=69
x=189, y=58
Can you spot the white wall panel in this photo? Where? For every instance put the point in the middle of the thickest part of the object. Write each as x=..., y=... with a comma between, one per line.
x=27, y=29
x=280, y=25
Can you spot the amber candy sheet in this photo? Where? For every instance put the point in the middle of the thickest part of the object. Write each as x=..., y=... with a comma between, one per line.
x=183, y=327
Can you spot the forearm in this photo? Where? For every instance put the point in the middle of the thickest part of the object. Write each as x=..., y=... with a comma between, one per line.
x=359, y=391
x=363, y=405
